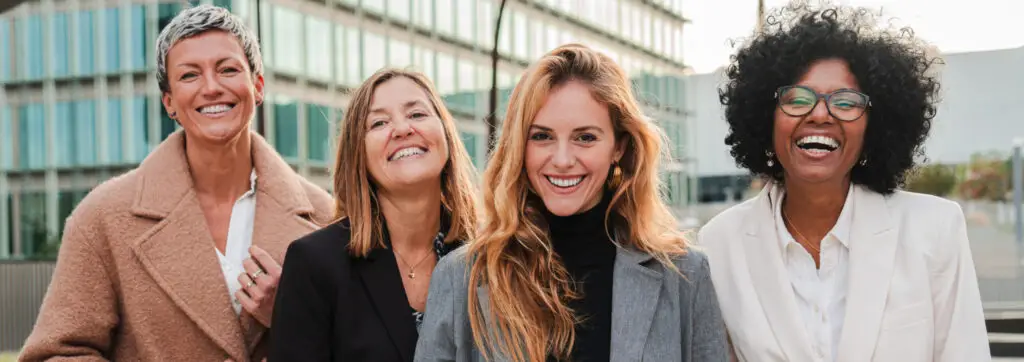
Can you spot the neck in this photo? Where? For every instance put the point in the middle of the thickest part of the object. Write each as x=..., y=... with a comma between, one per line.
x=814, y=209
x=412, y=218
x=221, y=170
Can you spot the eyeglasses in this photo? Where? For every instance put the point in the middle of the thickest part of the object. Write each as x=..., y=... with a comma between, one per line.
x=845, y=104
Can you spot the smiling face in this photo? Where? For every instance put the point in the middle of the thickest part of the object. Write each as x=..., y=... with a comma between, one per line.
x=213, y=94
x=570, y=149
x=405, y=139
x=817, y=147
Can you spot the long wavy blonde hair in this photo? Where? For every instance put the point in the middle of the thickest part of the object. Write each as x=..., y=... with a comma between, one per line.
x=356, y=197
x=527, y=285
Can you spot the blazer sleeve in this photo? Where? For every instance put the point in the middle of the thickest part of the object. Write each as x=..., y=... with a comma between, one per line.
x=78, y=317
x=960, y=332
x=709, y=343
x=437, y=333
x=301, y=323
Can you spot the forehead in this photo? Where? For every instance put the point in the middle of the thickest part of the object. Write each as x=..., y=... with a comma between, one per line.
x=398, y=91
x=212, y=45
x=571, y=106
x=828, y=75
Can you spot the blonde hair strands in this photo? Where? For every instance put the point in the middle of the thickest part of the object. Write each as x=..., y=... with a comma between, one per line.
x=355, y=195
x=512, y=258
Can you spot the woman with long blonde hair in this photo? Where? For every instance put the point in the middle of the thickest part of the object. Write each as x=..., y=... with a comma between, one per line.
x=405, y=195
x=578, y=257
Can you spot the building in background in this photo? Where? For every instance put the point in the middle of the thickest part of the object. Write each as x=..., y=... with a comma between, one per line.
x=80, y=103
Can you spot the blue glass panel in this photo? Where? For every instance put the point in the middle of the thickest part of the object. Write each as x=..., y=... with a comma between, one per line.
x=112, y=35
x=5, y=50
x=64, y=130
x=469, y=140
x=138, y=35
x=140, y=129
x=318, y=126
x=32, y=137
x=61, y=47
x=7, y=139
x=86, y=43
x=85, y=132
x=114, y=140
x=223, y=3
x=33, y=67
x=286, y=132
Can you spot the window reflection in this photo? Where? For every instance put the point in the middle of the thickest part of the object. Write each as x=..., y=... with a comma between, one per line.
x=445, y=74
x=33, y=67
x=373, y=53
x=5, y=50
x=465, y=16
x=444, y=12
x=399, y=10
x=318, y=129
x=423, y=12
x=32, y=136
x=287, y=50
x=286, y=128
x=520, y=36
x=61, y=50
x=353, y=62
x=400, y=53
x=7, y=139
x=112, y=38
x=113, y=132
x=139, y=42
x=318, y=49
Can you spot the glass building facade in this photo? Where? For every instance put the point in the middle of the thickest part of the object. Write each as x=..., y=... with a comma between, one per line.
x=80, y=103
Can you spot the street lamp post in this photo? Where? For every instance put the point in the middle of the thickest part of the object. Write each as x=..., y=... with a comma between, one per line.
x=260, y=122
x=492, y=115
x=1018, y=195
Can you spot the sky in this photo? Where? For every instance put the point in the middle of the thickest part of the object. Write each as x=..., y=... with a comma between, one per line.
x=951, y=25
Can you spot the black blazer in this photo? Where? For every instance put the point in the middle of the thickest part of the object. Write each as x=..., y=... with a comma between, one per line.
x=331, y=306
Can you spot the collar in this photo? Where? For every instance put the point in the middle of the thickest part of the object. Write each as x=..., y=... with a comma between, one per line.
x=841, y=230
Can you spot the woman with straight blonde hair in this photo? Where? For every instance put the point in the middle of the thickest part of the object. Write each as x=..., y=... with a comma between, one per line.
x=404, y=192
x=578, y=258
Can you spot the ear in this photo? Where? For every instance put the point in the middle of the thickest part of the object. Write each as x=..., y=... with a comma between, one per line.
x=166, y=100
x=258, y=83
x=620, y=148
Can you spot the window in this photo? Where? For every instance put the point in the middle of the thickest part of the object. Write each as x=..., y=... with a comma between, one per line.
x=66, y=202
x=485, y=23
x=425, y=61
x=445, y=74
x=223, y=3
x=443, y=15
x=86, y=56
x=353, y=62
x=554, y=37
x=5, y=51
x=32, y=137
x=61, y=52
x=465, y=16
x=7, y=140
x=114, y=139
x=537, y=36
x=65, y=130
x=85, y=132
x=400, y=53
x=318, y=128
x=520, y=36
x=287, y=46
x=140, y=128
x=505, y=38
x=34, y=237
x=32, y=68
x=286, y=128
x=375, y=6
x=341, y=58
x=138, y=44
x=318, y=49
x=471, y=142
x=374, y=53
x=424, y=13
x=399, y=10
x=112, y=36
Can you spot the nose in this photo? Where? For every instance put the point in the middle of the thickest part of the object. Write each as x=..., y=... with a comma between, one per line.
x=401, y=129
x=564, y=157
x=211, y=86
x=820, y=113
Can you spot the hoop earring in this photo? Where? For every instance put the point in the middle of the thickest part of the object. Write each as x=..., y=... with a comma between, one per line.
x=615, y=178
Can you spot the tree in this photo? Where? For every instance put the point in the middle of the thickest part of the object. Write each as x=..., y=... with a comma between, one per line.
x=986, y=178
x=933, y=179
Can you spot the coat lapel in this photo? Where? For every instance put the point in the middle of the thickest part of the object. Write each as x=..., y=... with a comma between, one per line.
x=178, y=252
x=636, y=289
x=383, y=283
x=771, y=280
x=872, y=257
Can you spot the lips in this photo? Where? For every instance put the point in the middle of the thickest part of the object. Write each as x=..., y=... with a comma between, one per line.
x=565, y=182
x=214, y=109
x=818, y=144
x=406, y=152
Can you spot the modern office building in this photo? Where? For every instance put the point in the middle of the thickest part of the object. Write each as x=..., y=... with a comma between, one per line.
x=80, y=103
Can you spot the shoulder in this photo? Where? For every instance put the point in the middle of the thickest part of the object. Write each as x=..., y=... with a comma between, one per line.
x=693, y=265
x=721, y=228
x=922, y=205
x=322, y=201
x=109, y=201
x=322, y=248
x=454, y=267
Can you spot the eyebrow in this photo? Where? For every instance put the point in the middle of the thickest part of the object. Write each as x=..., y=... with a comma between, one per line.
x=195, y=65
x=406, y=105
x=577, y=129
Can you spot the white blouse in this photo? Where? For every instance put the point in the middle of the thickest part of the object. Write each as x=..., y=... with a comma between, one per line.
x=239, y=240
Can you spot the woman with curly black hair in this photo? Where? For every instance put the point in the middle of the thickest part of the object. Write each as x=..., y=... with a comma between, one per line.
x=830, y=262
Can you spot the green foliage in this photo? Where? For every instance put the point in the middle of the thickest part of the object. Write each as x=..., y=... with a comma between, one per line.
x=933, y=179
x=986, y=177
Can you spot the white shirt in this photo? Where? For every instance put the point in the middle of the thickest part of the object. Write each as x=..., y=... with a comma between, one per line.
x=239, y=240
x=820, y=293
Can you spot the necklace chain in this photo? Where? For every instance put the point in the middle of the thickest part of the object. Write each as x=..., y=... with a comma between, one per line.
x=412, y=268
x=806, y=242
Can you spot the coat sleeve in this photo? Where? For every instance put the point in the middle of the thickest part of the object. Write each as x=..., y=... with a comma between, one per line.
x=301, y=325
x=960, y=332
x=78, y=317
x=437, y=342
x=709, y=341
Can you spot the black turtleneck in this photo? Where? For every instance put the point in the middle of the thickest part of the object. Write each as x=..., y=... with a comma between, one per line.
x=589, y=255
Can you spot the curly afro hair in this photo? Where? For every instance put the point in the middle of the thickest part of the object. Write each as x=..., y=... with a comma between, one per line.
x=891, y=66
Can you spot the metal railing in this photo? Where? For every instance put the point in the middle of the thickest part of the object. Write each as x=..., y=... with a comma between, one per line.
x=22, y=287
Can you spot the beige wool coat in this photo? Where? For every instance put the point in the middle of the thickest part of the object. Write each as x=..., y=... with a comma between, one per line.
x=138, y=278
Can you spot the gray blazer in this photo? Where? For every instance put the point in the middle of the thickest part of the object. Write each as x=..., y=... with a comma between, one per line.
x=657, y=315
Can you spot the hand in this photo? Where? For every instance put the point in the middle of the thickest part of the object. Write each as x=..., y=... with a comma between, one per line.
x=259, y=285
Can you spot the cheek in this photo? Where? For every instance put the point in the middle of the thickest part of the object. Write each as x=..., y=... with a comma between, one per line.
x=533, y=160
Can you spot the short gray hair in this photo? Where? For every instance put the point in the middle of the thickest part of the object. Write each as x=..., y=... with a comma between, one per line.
x=200, y=19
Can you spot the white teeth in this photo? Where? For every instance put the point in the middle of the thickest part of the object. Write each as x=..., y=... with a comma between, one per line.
x=825, y=140
x=217, y=108
x=565, y=182
x=406, y=152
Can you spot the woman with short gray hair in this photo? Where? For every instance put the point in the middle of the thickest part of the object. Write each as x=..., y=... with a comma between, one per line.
x=178, y=260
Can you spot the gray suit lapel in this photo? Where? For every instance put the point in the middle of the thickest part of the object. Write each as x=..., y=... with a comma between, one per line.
x=635, y=292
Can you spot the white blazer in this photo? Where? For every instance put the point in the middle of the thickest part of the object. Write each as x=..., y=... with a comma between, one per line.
x=913, y=293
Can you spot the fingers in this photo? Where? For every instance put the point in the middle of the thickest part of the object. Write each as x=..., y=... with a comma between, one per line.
x=254, y=292
x=265, y=261
x=247, y=303
x=257, y=274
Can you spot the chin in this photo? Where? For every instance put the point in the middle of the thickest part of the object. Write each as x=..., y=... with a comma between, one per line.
x=562, y=207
